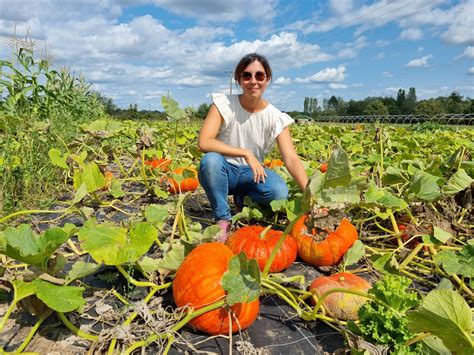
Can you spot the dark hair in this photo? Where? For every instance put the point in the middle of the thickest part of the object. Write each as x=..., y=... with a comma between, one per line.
x=248, y=59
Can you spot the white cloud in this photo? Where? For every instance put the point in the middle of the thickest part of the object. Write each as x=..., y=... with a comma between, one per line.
x=411, y=34
x=340, y=7
x=337, y=86
x=221, y=11
x=380, y=56
x=326, y=75
x=419, y=62
x=387, y=74
x=282, y=81
x=470, y=71
x=468, y=53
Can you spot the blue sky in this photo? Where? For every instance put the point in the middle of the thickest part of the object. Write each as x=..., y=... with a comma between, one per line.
x=135, y=51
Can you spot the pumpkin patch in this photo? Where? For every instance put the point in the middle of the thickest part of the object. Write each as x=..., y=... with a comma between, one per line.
x=198, y=283
x=326, y=249
x=258, y=242
x=344, y=306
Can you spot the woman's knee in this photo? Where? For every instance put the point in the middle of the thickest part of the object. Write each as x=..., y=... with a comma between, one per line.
x=212, y=162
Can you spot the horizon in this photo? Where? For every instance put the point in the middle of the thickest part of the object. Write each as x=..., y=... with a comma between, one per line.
x=136, y=53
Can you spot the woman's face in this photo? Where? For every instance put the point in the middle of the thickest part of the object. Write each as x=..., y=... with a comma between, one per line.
x=253, y=80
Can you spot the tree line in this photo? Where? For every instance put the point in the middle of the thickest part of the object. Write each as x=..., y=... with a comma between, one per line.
x=405, y=103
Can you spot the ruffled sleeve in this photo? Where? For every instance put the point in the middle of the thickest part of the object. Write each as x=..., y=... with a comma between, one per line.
x=282, y=121
x=223, y=104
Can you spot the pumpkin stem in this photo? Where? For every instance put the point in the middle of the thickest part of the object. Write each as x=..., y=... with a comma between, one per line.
x=264, y=232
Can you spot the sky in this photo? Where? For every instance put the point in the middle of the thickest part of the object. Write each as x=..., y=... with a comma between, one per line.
x=136, y=51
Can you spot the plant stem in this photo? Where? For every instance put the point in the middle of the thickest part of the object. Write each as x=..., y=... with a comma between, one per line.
x=177, y=326
x=19, y=213
x=76, y=330
x=133, y=281
x=30, y=335
x=9, y=311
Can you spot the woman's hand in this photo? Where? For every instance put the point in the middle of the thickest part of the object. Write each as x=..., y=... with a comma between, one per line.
x=259, y=174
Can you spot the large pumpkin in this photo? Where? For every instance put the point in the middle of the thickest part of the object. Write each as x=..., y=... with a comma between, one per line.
x=323, y=251
x=189, y=182
x=198, y=283
x=341, y=305
x=258, y=243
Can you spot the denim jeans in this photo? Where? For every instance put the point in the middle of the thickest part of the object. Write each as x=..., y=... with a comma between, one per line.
x=219, y=178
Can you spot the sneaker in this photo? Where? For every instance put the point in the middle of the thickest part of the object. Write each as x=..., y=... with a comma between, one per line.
x=239, y=202
x=224, y=225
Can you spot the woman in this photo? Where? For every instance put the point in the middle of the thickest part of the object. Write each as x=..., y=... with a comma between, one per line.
x=236, y=134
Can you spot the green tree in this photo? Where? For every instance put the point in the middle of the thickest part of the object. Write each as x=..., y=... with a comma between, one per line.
x=375, y=107
x=429, y=107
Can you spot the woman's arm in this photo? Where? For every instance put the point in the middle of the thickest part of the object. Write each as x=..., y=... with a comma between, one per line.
x=291, y=159
x=207, y=142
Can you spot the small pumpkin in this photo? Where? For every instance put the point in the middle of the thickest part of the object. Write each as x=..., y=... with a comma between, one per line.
x=198, y=283
x=271, y=163
x=258, y=243
x=160, y=164
x=109, y=176
x=323, y=167
x=189, y=182
x=318, y=250
x=344, y=306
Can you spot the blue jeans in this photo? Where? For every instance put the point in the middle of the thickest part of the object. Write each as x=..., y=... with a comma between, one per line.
x=219, y=178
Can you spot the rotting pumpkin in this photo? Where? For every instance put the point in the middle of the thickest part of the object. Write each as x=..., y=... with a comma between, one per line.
x=198, y=283
x=258, y=242
x=342, y=305
x=328, y=251
x=189, y=182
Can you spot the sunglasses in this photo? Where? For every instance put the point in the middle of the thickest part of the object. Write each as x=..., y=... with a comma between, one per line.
x=259, y=76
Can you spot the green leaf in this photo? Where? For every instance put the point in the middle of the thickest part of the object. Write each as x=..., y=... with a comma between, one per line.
x=24, y=245
x=354, y=254
x=59, y=298
x=338, y=173
x=116, y=189
x=447, y=315
x=81, y=192
x=172, y=109
x=441, y=235
x=457, y=182
x=173, y=258
x=81, y=269
x=157, y=214
x=23, y=289
x=111, y=245
x=433, y=345
x=424, y=186
x=160, y=193
x=57, y=158
x=385, y=263
x=248, y=214
x=91, y=176
x=383, y=198
x=241, y=280
x=461, y=263
x=392, y=176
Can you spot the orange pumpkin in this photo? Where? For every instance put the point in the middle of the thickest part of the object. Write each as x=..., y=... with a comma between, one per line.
x=198, y=283
x=160, y=164
x=186, y=184
x=323, y=167
x=341, y=305
x=258, y=243
x=320, y=251
x=273, y=163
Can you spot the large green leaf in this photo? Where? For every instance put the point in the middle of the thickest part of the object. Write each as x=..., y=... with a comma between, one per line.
x=112, y=245
x=457, y=182
x=24, y=245
x=241, y=280
x=461, y=263
x=59, y=298
x=338, y=172
x=447, y=315
x=90, y=175
x=424, y=186
x=383, y=198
